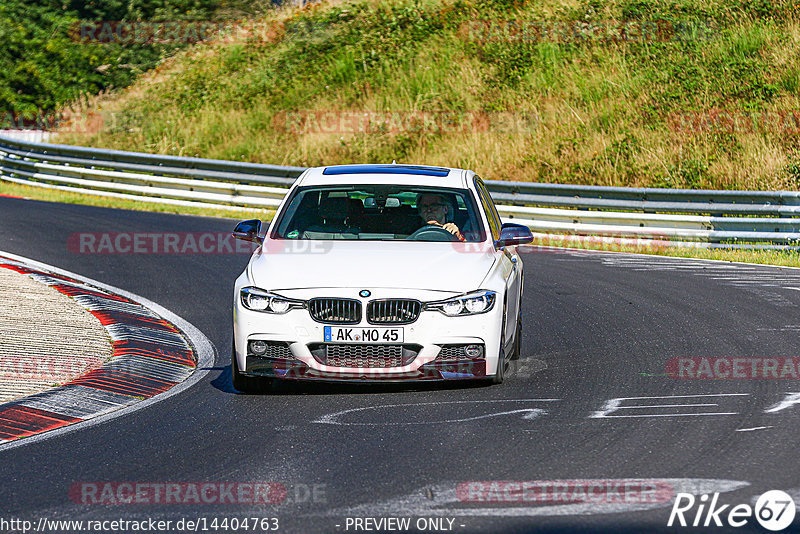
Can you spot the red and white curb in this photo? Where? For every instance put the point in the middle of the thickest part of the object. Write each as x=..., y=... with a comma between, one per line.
x=156, y=354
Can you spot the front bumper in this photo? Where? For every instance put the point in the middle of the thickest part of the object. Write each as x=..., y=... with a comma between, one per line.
x=297, y=370
x=300, y=339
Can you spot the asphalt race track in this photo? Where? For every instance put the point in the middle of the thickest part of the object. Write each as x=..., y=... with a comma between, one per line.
x=589, y=400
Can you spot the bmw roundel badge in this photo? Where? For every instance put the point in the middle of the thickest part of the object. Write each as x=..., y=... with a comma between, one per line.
x=364, y=293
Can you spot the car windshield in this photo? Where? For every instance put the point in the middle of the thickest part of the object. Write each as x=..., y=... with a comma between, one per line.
x=381, y=212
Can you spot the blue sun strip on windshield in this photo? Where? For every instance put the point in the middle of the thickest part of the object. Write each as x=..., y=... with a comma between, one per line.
x=387, y=169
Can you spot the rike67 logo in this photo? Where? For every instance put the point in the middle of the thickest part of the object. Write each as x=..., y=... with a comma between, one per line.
x=774, y=510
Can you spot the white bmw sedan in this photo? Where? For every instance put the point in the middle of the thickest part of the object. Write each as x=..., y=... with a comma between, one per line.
x=379, y=273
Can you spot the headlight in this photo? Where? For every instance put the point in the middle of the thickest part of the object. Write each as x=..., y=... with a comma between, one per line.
x=453, y=307
x=470, y=304
x=478, y=304
x=257, y=299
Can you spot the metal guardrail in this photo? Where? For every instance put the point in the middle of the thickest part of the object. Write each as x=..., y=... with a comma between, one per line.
x=699, y=216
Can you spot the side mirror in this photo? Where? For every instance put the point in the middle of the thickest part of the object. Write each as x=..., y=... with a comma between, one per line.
x=513, y=234
x=248, y=231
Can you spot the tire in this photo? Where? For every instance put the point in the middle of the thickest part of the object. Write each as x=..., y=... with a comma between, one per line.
x=500, y=376
x=245, y=384
x=517, y=351
x=502, y=363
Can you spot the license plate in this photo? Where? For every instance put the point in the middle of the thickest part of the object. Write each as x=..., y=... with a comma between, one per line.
x=338, y=334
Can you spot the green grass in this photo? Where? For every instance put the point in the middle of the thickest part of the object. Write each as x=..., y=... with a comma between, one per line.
x=44, y=64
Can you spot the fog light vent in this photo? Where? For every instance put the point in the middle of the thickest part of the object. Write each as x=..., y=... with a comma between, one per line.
x=269, y=349
x=258, y=347
x=460, y=352
x=473, y=351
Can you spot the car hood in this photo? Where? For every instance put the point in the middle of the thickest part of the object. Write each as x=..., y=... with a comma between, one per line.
x=450, y=267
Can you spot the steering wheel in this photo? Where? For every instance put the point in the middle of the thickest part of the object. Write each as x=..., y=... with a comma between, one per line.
x=432, y=232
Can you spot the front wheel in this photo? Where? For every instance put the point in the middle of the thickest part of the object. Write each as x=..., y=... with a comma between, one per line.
x=500, y=375
x=517, y=351
x=518, y=338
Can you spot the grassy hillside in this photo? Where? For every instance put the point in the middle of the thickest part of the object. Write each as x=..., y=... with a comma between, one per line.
x=44, y=64
x=591, y=108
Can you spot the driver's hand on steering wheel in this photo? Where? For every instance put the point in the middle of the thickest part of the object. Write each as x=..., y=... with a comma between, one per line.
x=450, y=227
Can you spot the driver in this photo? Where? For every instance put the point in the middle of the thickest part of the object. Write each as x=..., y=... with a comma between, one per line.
x=435, y=210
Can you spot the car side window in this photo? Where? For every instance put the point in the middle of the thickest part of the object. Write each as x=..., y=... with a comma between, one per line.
x=488, y=207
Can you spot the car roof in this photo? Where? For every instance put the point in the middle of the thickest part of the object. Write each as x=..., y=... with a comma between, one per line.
x=419, y=175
